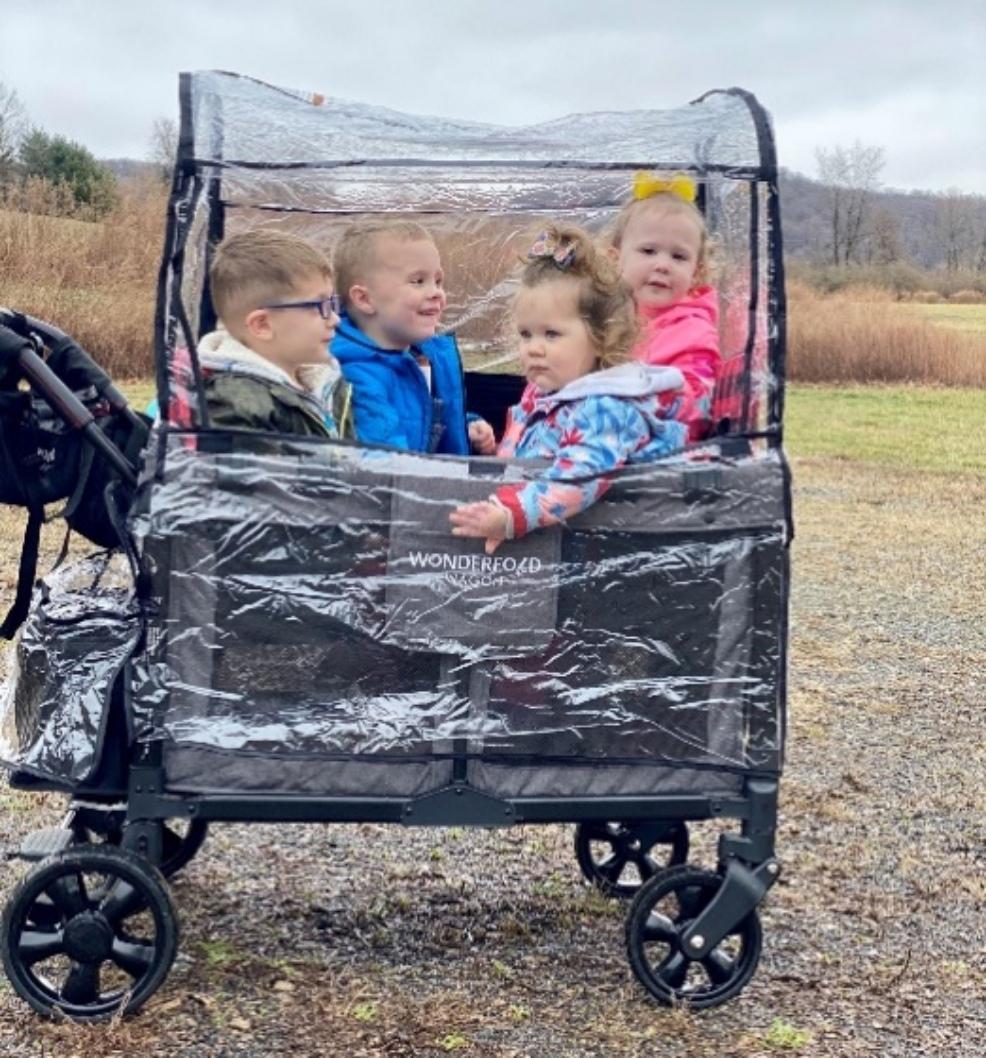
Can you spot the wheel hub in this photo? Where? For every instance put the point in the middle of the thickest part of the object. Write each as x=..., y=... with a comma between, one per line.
x=88, y=938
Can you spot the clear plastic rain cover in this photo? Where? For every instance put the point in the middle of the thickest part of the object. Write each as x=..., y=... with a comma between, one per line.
x=63, y=667
x=255, y=155
x=317, y=629
x=311, y=624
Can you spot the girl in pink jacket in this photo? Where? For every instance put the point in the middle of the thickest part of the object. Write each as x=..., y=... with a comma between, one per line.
x=660, y=243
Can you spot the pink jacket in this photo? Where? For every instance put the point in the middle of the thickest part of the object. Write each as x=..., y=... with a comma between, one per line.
x=685, y=335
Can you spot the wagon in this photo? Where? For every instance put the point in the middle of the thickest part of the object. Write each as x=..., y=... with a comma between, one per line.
x=296, y=636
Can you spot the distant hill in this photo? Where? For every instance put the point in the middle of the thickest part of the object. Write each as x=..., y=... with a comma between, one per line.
x=128, y=168
x=805, y=216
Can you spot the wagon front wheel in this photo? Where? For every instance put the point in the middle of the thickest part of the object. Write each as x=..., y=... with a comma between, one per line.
x=661, y=912
x=618, y=858
x=89, y=932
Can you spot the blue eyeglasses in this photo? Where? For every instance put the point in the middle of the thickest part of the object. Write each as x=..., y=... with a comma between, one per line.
x=326, y=306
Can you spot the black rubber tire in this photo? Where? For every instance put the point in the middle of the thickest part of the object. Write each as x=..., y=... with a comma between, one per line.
x=661, y=911
x=179, y=849
x=630, y=844
x=53, y=915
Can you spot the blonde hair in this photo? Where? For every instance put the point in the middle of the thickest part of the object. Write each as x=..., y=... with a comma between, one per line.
x=356, y=251
x=254, y=267
x=665, y=202
x=604, y=303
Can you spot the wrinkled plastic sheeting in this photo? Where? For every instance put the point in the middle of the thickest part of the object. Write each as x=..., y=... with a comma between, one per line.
x=288, y=160
x=312, y=603
x=245, y=121
x=82, y=626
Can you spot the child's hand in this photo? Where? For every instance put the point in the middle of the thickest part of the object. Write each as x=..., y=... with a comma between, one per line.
x=482, y=438
x=484, y=519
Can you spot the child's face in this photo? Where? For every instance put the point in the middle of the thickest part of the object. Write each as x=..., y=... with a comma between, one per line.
x=401, y=299
x=659, y=256
x=296, y=335
x=555, y=345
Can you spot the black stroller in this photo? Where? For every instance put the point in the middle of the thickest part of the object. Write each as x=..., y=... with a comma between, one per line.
x=297, y=637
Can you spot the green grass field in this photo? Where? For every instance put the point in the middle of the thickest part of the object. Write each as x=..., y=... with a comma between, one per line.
x=969, y=319
x=921, y=427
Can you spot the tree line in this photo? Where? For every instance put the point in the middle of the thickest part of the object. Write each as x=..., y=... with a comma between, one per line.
x=29, y=153
x=847, y=218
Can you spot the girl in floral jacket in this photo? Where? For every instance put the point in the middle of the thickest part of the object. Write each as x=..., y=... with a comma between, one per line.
x=586, y=407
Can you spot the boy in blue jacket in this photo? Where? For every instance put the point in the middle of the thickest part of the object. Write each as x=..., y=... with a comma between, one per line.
x=407, y=382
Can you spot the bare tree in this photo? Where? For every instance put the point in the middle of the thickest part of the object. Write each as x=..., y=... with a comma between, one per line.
x=955, y=225
x=163, y=146
x=13, y=129
x=852, y=175
x=884, y=241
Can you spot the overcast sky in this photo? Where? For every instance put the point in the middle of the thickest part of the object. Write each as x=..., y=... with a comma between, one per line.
x=909, y=75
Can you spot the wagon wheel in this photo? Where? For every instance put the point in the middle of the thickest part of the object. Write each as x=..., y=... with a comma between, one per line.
x=89, y=932
x=619, y=857
x=661, y=912
x=180, y=839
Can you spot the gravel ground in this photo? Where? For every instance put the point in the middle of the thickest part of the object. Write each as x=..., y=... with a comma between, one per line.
x=367, y=940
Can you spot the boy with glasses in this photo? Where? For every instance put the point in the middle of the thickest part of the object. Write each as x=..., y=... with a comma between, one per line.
x=267, y=365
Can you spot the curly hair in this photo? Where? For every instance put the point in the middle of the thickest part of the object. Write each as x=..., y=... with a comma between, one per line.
x=604, y=302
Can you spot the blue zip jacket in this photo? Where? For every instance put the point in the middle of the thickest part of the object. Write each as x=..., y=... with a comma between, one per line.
x=391, y=402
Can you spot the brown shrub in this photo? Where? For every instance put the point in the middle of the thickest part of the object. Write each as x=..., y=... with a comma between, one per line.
x=967, y=297
x=837, y=339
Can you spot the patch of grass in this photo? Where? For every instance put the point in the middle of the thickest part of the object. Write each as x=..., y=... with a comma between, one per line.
x=220, y=953
x=970, y=319
x=922, y=427
x=138, y=393
x=784, y=1037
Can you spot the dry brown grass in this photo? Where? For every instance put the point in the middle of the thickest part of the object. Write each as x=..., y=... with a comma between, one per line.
x=96, y=279
x=93, y=279
x=862, y=336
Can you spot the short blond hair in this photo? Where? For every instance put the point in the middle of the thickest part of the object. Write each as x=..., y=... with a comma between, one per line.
x=356, y=252
x=258, y=266
x=664, y=202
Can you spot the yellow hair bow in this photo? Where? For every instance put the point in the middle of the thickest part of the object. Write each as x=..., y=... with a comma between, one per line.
x=647, y=184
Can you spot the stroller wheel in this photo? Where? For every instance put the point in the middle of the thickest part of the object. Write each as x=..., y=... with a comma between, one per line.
x=618, y=858
x=661, y=911
x=88, y=933
x=181, y=839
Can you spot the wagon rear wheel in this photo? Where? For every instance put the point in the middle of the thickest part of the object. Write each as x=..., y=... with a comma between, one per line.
x=660, y=913
x=618, y=858
x=89, y=932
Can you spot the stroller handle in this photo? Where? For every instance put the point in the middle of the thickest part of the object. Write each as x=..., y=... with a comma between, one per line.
x=62, y=400
x=54, y=337
x=73, y=411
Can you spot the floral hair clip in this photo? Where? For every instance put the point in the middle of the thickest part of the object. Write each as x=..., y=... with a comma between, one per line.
x=561, y=251
x=647, y=184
